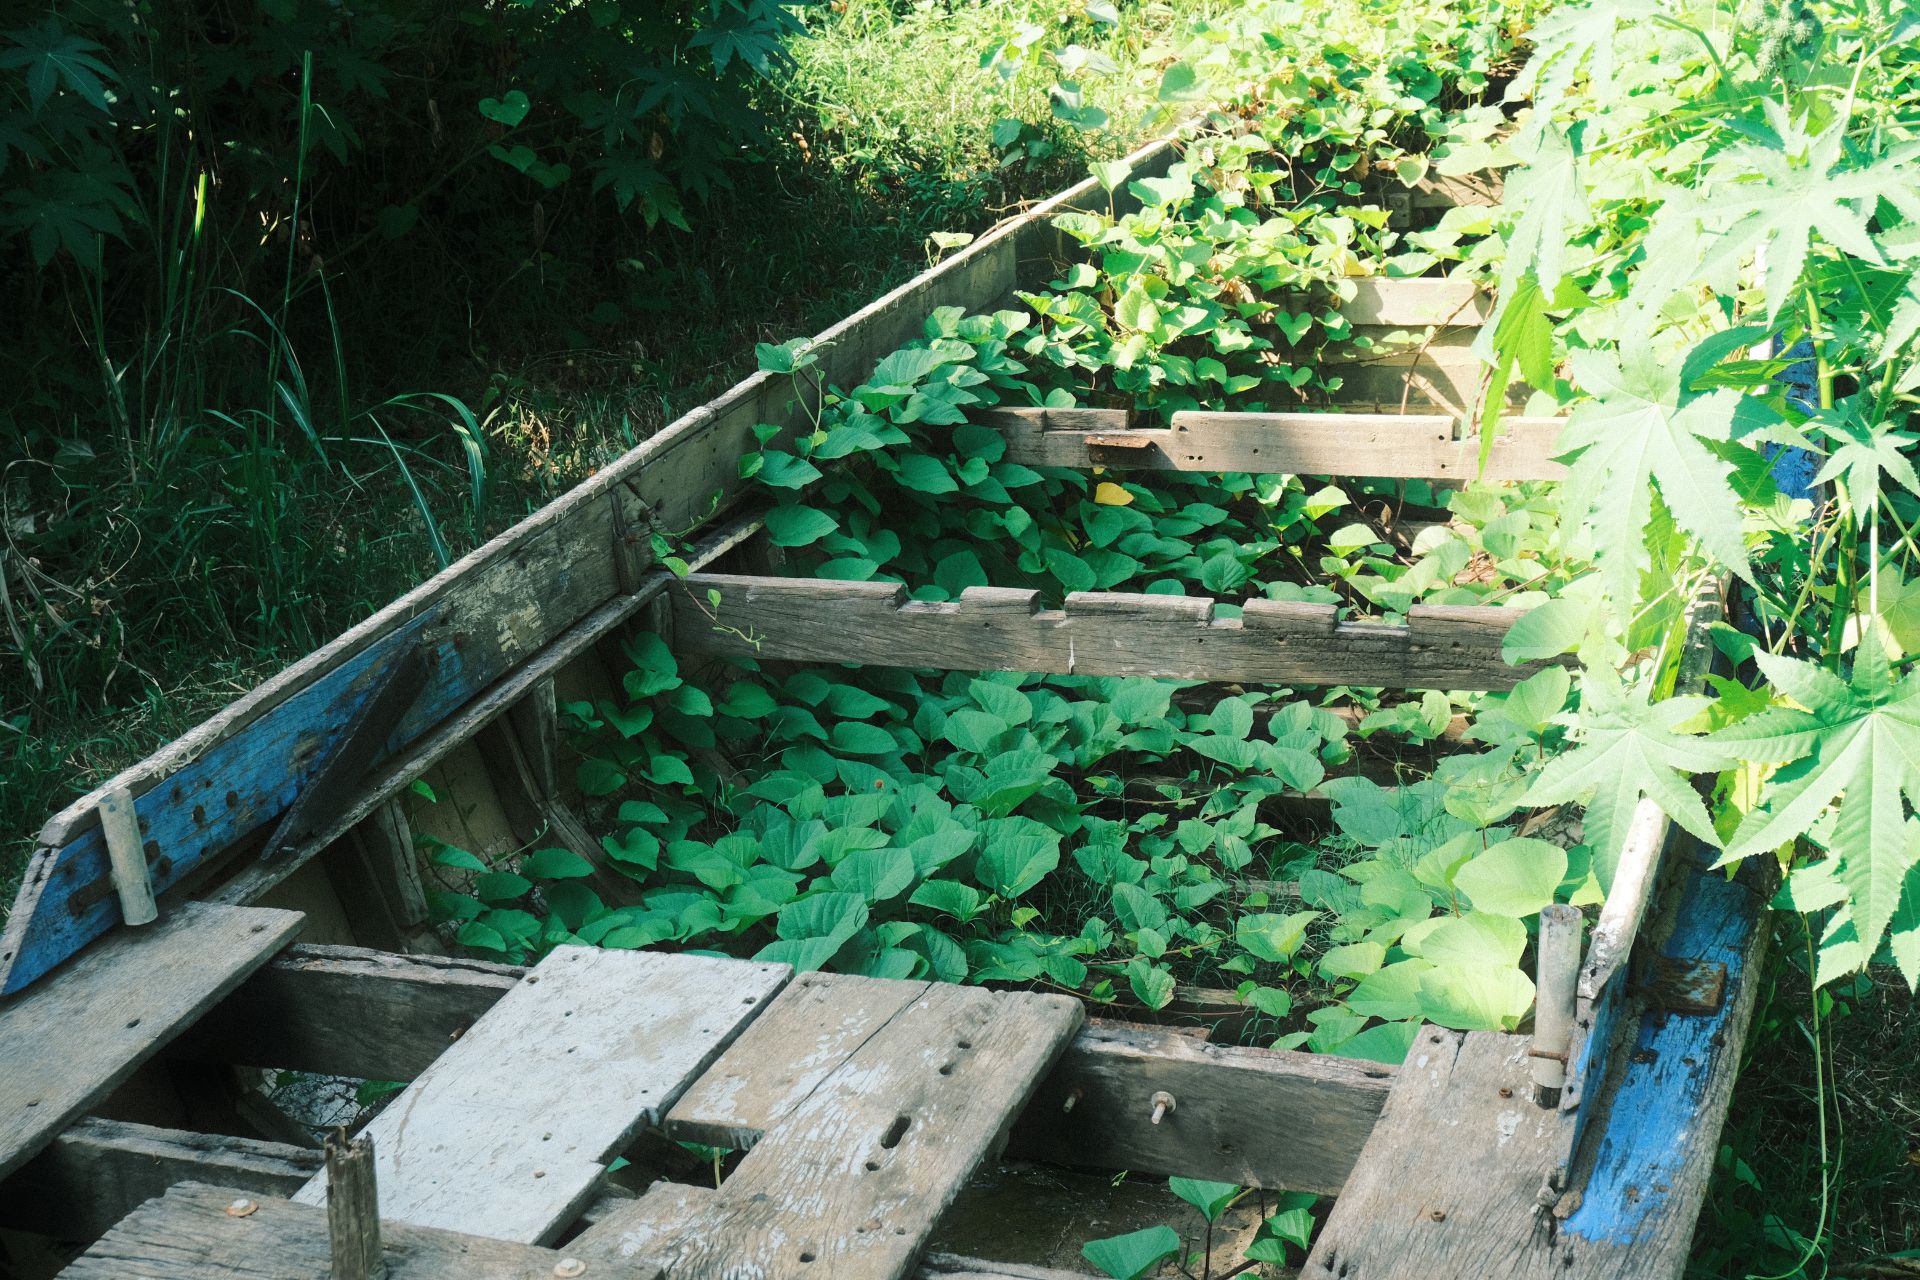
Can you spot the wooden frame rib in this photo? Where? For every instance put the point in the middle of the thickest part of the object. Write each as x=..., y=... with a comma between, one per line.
x=1406, y=446
x=1097, y=633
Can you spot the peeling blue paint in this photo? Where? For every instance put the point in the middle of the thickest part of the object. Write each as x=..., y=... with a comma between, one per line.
x=1650, y=1123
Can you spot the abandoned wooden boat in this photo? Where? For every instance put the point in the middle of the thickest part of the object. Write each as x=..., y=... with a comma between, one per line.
x=250, y=896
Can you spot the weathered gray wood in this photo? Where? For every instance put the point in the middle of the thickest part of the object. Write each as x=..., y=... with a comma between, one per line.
x=353, y=1209
x=850, y=1180
x=131, y=879
x=1293, y=1121
x=375, y=872
x=1445, y=1187
x=65, y=1044
x=802, y=1038
x=190, y=1235
x=1414, y=303
x=99, y=1171
x=1390, y=445
x=508, y=1133
x=347, y=1011
x=1097, y=633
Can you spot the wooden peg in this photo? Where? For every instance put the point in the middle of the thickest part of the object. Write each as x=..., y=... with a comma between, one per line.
x=1553, y=1003
x=353, y=1209
x=131, y=879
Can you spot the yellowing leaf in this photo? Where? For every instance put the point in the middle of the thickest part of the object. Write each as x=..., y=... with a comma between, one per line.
x=1112, y=495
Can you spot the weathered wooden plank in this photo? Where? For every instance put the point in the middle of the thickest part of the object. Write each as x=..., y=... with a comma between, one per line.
x=850, y=1180
x=67, y=1044
x=1414, y=303
x=1256, y=1117
x=208, y=802
x=347, y=1011
x=1389, y=445
x=1097, y=633
x=189, y=1234
x=803, y=1037
x=481, y=623
x=507, y=1134
x=99, y=1171
x=1445, y=1186
x=1461, y=1180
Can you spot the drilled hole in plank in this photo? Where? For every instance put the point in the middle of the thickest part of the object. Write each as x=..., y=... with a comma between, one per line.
x=895, y=1131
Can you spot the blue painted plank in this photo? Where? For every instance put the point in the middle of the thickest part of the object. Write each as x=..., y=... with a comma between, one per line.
x=1664, y=1120
x=237, y=786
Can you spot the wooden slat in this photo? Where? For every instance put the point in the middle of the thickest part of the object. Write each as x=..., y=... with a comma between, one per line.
x=1255, y=1117
x=1414, y=303
x=1098, y=633
x=99, y=1171
x=1446, y=1183
x=190, y=1235
x=67, y=1044
x=850, y=1179
x=348, y=1011
x=352, y=1012
x=508, y=1133
x=1387, y=445
x=483, y=620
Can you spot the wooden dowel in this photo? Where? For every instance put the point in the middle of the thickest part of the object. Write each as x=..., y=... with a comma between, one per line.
x=353, y=1209
x=131, y=880
x=1554, y=1000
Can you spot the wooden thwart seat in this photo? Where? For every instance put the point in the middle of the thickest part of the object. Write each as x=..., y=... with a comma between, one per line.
x=69, y=1042
x=508, y=1134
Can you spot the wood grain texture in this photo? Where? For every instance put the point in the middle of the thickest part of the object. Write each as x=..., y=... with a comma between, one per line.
x=1392, y=445
x=1097, y=633
x=1446, y=1183
x=849, y=1182
x=66, y=1044
x=189, y=1235
x=348, y=1011
x=1256, y=1117
x=507, y=1134
x=98, y=1171
x=1414, y=302
x=488, y=638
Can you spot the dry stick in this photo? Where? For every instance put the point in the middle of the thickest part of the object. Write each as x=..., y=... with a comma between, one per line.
x=353, y=1209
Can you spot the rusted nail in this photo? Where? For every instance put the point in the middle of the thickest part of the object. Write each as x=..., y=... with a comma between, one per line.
x=569, y=1267
x=1505, y=1092
x=1162, y=1103
x=1072, y=1099
x=1554, y=1054
x=1438, y=1215
x=241, y=1208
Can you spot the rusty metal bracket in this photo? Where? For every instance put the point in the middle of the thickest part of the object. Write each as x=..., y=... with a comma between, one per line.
x=355, y=752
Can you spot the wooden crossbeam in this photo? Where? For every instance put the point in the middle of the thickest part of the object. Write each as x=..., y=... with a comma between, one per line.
x=1385, y=445
x=195, y=1232
x=1097, y=633
x=1256, y=1116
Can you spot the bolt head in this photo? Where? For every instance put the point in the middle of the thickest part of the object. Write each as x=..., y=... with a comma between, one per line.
x=569, y=1267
